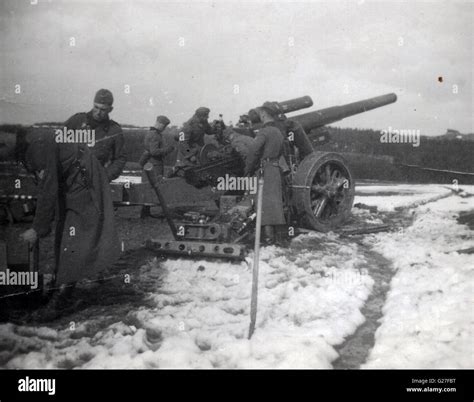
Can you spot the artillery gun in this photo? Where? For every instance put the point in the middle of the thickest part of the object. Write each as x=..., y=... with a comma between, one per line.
x=319, y=187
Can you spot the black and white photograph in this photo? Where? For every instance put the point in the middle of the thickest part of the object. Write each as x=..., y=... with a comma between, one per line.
x=237, y=185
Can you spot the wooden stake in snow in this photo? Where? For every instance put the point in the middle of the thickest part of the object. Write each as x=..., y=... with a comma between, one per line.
x=258, y=226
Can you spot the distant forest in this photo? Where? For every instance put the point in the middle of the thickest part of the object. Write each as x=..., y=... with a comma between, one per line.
x=368, y=157
x=433, y=152
x=382, y=161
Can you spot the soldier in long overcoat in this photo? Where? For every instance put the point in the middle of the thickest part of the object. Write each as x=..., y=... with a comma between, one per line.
x=74, y=186
x=266, y=152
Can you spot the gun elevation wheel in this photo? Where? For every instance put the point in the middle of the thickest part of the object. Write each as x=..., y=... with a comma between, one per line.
x=323, y=191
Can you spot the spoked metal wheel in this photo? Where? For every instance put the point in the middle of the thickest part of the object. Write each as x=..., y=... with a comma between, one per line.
x=323, y=191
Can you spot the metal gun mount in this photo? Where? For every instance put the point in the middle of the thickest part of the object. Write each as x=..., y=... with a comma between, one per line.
x=196, y=236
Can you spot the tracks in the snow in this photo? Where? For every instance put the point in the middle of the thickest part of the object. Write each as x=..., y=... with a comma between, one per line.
x=354, y=351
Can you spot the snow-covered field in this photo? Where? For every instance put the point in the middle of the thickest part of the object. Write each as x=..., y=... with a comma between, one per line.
x=429, y=313
x=390, y=197
x=310, y=300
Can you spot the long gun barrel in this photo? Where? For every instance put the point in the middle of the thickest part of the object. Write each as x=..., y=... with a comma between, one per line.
x=332, y=114
x=293, y=105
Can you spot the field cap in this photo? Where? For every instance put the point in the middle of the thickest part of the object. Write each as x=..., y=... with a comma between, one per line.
x=202, y=111
x=163, y=120
x=104, y=97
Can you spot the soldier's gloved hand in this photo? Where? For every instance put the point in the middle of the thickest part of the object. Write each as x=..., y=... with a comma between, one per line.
x=29, y=235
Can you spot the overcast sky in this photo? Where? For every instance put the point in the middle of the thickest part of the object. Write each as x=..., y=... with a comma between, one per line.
x=233, y=55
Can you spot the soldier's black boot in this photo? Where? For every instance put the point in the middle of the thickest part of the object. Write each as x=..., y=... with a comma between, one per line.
x=268, y=234
x=59, y=301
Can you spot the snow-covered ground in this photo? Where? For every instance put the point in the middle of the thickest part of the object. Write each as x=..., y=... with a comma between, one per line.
x=428, y=316
x=310, y=300
x=390, y=197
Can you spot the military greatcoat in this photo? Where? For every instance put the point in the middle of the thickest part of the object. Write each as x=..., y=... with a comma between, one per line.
x=109, y=147
x=76, y=186
x=266, y=151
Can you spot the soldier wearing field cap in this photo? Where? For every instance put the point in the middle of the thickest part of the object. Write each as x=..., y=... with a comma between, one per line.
x=194, y=131
x=109, y=141
x=292, y=131
x=155, y=152
x=155, y=149
x=265, y=153
x=253, y=116
x=197, y=127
